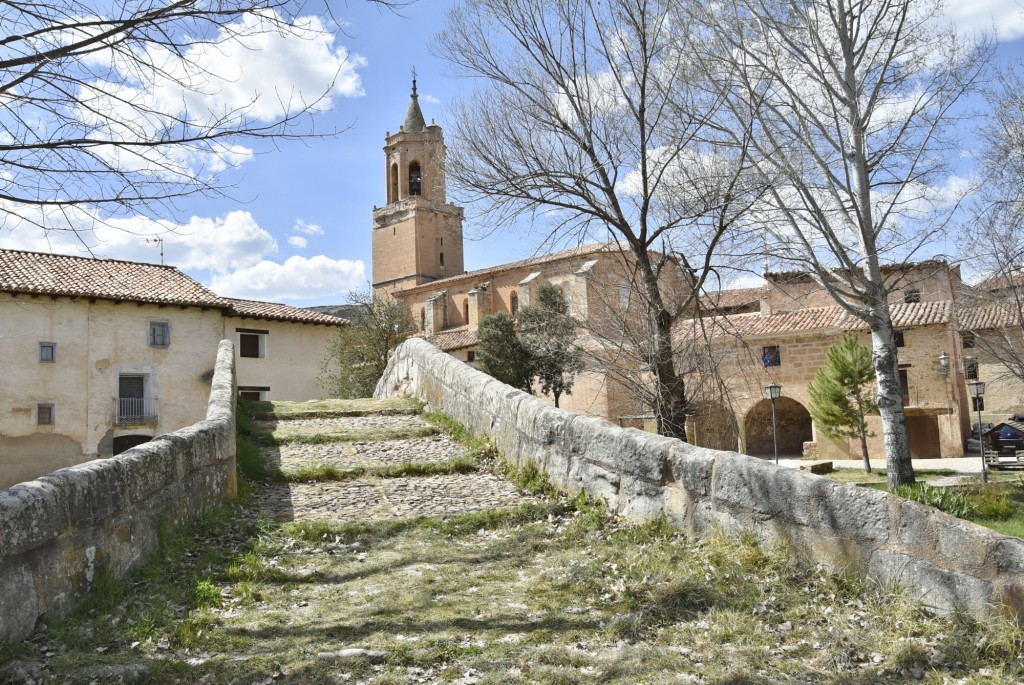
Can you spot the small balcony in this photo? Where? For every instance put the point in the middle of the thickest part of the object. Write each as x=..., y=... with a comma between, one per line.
x=135, y=410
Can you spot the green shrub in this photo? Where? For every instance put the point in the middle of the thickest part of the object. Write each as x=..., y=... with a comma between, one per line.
x=953, y=501
x=992, y=502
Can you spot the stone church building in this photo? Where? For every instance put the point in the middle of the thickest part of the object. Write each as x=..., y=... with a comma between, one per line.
x=418, y=259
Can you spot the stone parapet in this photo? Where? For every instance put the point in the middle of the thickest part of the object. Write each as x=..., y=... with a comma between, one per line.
x=941, y=561
x=58, y=531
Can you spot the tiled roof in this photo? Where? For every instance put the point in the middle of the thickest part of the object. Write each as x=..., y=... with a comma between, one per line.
x=1013, y=278
x=904, y=315
x=39, y=273
x=454, y=339
x=253, y=309
x=727, y=299
x=985, y=318
x=512, y=266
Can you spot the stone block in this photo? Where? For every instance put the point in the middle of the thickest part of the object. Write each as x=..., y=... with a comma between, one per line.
x=1007, y=556
x=936, y=588
x=19, y=602
x=692, y=467
x=960, y=544
x=848, y=512
x=91, y=491
x=595, y=481
x=912, y=528
x=31, y=514
x=641, y=500
x=816, y=467
x=745, y=483
x=149, y=468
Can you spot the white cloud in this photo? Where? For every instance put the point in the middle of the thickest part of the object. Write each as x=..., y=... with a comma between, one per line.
x=431, y=99
x=295, y=279
x=262, y=68
x=297, y=241
x=309, y=229
x=1003, y=17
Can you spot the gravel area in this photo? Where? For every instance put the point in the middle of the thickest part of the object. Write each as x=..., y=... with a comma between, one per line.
x=387, y=498
x=346, y=455
x=348, y=423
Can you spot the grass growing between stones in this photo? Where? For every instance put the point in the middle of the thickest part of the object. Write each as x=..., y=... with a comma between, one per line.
x=326, y=472
x=552, y=592
x=283, y=434
x=335, y=408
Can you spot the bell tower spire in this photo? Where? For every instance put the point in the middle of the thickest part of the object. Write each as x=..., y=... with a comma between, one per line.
x=417, y=235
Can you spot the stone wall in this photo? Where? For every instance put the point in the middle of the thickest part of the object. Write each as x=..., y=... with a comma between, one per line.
x=939, y=560
x=58, y=531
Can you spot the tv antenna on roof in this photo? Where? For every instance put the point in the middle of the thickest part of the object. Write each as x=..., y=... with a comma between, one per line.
x=161, y=243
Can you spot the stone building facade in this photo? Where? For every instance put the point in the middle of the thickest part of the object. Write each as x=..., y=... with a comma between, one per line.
x=99, y=355
x=418, y=259
x=783, y=337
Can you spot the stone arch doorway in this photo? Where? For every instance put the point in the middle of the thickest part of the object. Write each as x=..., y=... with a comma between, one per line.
x=126, y=442
x=794, y=423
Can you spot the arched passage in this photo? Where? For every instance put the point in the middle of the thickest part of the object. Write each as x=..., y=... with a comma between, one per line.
x=415, y=179
x=125, y=442
x=794, y=428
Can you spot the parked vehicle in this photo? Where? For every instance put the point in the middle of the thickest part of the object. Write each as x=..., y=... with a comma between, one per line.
x=974, y=445
x=985, y=427
x=1009, y=439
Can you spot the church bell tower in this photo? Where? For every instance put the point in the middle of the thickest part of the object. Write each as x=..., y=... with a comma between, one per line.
x=417, y=235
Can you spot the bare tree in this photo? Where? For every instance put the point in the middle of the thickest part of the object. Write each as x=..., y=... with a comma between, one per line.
x=590, y=123
x=853, y=103
x=106, y=106
x=993, y=310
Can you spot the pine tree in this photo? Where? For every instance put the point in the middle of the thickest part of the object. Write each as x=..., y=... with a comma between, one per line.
x=548, y=333
x=501, y=354
x=842, y=392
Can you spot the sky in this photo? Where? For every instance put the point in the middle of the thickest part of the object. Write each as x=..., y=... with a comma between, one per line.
x=297, y=225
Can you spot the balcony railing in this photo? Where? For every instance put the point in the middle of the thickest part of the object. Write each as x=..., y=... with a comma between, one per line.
x=128, y=410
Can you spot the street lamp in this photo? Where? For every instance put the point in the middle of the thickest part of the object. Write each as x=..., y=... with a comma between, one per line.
x=944, y=364
x=772, y=392
x=977, y=390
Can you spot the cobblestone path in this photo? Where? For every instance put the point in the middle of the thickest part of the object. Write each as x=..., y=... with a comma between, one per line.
x=360, y=490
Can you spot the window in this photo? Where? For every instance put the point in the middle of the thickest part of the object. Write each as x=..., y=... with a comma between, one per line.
x=393, y=185
x=624, y=292
x=442, y=259
x=134, y=405
x=415, y=179
x=471, y=356
x=253, y=393
x=905, y=387
x=159, y=334
x=911, y=295
x=771, y=355
x=423, y=319
x=978, y=403
x=971, y=369
x=514, y=304
x=567, y=296
x=47, y=352
x=465, y=311
x=898, y=338
x=968, y=340
x=44, y=414
x=252, y=343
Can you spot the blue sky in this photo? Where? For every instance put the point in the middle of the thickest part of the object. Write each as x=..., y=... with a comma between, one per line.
x=297, y=228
